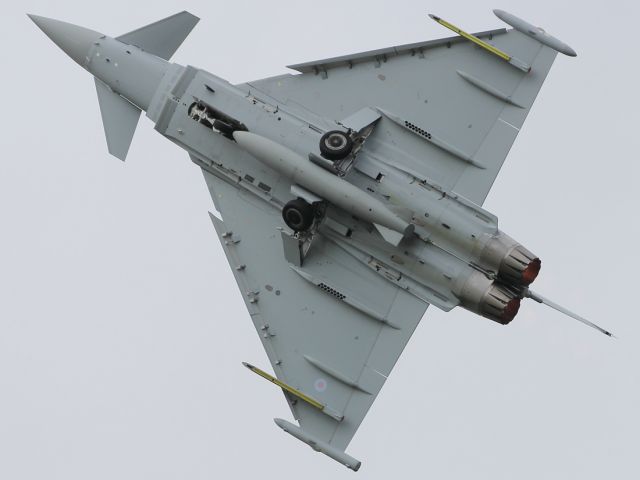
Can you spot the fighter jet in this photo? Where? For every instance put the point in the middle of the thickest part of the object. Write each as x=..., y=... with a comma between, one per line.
x=349, y=194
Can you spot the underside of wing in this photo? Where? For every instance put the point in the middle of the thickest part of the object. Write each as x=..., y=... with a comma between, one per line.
x=332, y=328
x=451, y=110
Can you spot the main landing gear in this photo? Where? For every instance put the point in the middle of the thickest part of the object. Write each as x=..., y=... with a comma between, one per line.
x=299, y=215
x=335, y=145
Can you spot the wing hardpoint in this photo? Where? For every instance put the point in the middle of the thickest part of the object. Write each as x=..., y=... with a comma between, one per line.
x=332, y=329
x=453, y=109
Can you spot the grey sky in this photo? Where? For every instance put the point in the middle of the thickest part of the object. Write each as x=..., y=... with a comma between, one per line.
x=122, y=331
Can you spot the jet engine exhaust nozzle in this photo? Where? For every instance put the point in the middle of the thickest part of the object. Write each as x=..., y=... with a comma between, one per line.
x=515, y=265
x=500, y=305
x=520, y=266
x=489, y=299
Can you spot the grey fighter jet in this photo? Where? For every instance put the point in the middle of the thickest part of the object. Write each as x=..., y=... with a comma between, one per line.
x=349, y=194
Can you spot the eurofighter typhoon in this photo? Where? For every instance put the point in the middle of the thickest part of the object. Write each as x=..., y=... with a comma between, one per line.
x=350, y=192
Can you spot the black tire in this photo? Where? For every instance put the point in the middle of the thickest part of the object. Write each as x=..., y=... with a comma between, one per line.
x=298, y=215
x=335, y=145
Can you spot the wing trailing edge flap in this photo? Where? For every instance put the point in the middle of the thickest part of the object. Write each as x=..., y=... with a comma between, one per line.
x=119, y=118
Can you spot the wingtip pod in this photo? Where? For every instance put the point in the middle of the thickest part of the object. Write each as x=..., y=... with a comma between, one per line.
x=319, y=445
x=534, y=32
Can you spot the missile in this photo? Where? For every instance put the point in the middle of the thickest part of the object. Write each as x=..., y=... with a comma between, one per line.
x=296, y=393
x=319, y=181
x=482, y=44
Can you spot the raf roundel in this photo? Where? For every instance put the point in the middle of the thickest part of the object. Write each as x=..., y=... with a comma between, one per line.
x=320, y=385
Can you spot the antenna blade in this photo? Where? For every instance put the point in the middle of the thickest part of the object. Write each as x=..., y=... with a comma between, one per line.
x=540, y=299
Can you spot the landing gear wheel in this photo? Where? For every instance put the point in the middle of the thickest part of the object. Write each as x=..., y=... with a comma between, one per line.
x=335, y=145
x=298, y=215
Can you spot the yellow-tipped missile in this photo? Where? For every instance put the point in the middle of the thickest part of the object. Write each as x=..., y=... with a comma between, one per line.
x=295, y=392
x=488, y=47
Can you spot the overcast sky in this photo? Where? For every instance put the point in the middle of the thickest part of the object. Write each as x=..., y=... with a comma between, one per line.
x=122, y=331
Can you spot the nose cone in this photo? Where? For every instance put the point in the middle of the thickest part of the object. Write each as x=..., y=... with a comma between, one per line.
x=75, y=41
